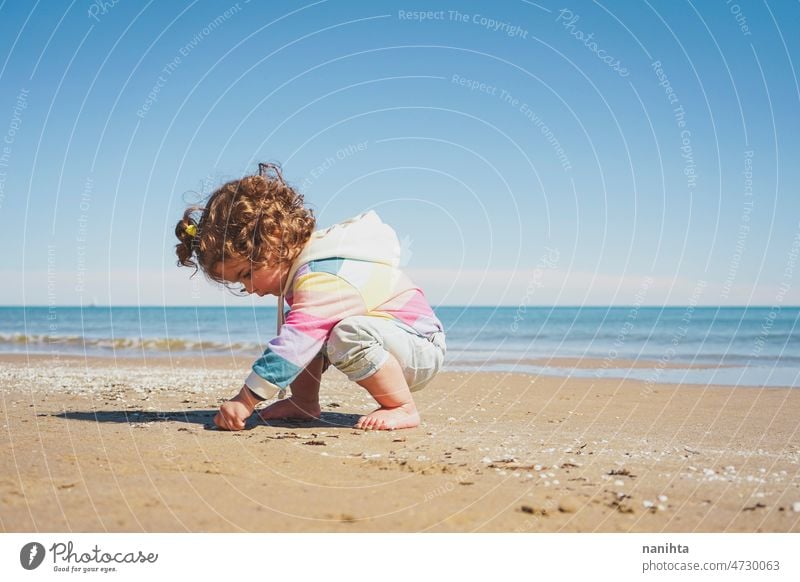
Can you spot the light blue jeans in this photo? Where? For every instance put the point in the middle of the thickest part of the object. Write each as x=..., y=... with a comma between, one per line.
x=359, y=345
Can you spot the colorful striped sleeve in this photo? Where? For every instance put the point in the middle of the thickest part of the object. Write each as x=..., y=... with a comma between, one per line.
x=320, y=301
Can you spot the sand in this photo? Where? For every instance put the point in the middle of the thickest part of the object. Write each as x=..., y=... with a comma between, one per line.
x=129, y=446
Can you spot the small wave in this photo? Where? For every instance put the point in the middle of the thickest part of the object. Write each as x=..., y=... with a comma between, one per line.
x=39, y=341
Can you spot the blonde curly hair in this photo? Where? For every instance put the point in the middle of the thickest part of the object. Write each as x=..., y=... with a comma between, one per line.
x=258, y=218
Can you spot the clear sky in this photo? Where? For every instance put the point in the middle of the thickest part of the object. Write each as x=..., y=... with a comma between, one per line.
x=527, y=153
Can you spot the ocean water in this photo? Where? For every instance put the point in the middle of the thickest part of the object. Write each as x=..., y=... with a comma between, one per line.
x=738, y=346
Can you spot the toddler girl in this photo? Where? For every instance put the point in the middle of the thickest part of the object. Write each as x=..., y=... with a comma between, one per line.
x=351, y=306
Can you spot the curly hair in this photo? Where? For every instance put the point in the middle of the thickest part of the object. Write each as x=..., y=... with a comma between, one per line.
x=259, y=218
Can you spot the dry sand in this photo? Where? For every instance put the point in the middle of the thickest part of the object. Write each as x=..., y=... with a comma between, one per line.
x=98, y=445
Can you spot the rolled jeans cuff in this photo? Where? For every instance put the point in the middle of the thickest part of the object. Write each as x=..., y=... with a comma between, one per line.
x=366, y=366
x=360, y=345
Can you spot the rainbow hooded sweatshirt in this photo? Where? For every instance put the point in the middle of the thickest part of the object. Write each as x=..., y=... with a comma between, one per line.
x=350, y=268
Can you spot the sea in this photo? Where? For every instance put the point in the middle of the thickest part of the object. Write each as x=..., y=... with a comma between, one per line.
x=730, y=346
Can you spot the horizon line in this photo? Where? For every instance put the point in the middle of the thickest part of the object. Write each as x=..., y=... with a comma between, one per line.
x=595, y=305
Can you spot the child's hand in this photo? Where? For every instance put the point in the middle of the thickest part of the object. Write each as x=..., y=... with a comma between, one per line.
x=234, y=413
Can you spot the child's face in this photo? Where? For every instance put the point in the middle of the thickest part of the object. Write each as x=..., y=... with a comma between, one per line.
x=263, y=281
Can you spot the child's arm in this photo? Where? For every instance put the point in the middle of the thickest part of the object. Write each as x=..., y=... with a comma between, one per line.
x=321, y=300
x=234, y=413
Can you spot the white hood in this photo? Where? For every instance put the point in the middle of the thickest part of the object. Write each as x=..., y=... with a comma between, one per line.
x=364, y=237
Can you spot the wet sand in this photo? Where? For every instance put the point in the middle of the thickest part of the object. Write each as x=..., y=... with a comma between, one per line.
x=129, y=446
x=587, y=363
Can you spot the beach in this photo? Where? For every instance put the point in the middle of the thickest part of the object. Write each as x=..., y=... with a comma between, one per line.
x=128, y=445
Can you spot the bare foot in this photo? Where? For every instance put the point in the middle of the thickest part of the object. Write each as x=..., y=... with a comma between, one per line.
x=405, y=416
x=291, y=408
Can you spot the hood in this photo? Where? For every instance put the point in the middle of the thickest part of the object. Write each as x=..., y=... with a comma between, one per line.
x=364, y=237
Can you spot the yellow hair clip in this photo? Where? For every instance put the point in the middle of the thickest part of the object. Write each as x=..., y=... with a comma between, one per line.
x=191, y=230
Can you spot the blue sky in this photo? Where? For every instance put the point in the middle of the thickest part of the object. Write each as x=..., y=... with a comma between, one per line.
x=527, y=153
